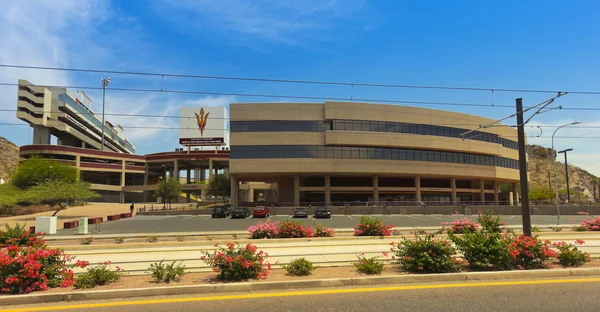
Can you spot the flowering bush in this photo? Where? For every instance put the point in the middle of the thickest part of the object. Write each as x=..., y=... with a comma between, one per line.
x=99, y=275
x=321, y=231
x=460, y=226
x=530, y=252
x=370, y=226
x=294, y=229
x=299, y=267
x=264, y=229
x=27, y=269
x=19, y=236
x=235, y=263
x=426, y=254
x=591, y=224
x=368, y=265
x=489, y=223
x=569, y=255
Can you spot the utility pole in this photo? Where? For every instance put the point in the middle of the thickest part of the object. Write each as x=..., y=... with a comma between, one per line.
x=105, y=83
x=523, y=169
x=549, y=183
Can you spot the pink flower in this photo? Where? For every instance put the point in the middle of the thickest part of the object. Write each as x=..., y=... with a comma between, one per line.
x=385, y=254
x=579, y=241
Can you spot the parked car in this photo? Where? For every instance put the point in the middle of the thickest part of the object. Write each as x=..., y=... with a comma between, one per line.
x=300, y=212
x=220, y=212
x=261, y=212
x=322, y=212
x=240, y=213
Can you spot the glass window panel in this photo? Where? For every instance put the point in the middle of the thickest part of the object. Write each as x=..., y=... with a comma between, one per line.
x=338, y=153
x=321, y=152
x=398, y=127
x=356, y=126
x=446, y=132
x=347, y=152
x=354, y=153
x=329, y=151
x=420, y=129
x=402, y=154
x=410, y=155
x=378, y=153
x=405, y=128
x=454, y=132
x=387, y=153
x=427, y=130
x=395, y=154
x=364, y=153
x=430, y=156
x=369, y=126
x=412, y=129
x=389, y=127
x=438, y=156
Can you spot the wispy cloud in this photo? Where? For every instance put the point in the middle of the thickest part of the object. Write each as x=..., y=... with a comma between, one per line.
x=284, y=21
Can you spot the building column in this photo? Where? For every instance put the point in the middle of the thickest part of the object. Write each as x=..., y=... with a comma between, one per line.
x=496, y=195
x=188, y=178
x=145, y=193
x=376, y=189
x=296, y=191
x=197, y=175
x=82, y=144
x=418, y=188
x=210, y=168
x=453, y=186
x=327, y=191
x=515, y=194
x=235, y=190
x=482, y=191
x=41, y=135
x=122, y=195
x=78, y=166
x=176, y=170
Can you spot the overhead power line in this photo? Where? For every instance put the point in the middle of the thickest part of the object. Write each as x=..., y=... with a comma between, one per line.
x=286, y=96
x=316, y=82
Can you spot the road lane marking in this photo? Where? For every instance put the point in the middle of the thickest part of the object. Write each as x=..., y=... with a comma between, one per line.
x=301, y=293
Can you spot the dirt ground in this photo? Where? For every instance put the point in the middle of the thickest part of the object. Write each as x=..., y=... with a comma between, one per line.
x=144, y=281
x=71, y=213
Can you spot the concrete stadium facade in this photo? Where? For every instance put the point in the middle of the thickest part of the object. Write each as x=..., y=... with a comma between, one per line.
x=339, y=153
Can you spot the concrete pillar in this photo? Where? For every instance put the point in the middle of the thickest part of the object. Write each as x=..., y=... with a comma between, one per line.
x=78, y=166
x=235, y=189
x=453, y=186
x=482, y=191
x=146, y=183
x=327, y=191
x=496, y=195
x=122, y=195
x=188, y=178
x=515, y=194
x=296, y=191
x=210, y=168
x=176, y=170
x=376, y=189
x=197, y=175
x=41, y=135
x=418, y=188
x=82, y=144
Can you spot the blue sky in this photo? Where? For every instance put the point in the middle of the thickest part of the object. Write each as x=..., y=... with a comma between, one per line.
x=509, y=44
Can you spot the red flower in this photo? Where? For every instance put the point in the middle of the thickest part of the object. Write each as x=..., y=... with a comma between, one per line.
x=580, y=242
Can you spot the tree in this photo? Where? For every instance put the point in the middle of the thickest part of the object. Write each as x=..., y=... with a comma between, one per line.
x=61, y=193
x=36, y=170
x=219, y=186
x=541, y=193
x=168, y=190
x=595, y=184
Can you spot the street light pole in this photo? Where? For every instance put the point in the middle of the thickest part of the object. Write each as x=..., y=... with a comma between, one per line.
x=554, y=166
x=105, y=83
x=567, y=172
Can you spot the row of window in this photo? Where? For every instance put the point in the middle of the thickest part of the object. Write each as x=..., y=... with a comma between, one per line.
x=383, y=153
x=371, y=126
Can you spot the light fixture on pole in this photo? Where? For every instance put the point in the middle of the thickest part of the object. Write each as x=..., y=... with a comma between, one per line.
x=567, y=172
x=554, y=166
x=105, y=83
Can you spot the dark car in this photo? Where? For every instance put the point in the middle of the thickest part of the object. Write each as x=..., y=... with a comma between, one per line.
x=322, y=212
x=220, y=212
x=240, y=213
x=261, y=212
x=301, y=212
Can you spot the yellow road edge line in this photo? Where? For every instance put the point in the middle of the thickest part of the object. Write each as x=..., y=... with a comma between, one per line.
x=301, y=293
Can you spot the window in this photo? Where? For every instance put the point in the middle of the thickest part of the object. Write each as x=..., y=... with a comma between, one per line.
x=410, y=155
x=412, y=129
x=426, y=129
x=420, y=129
x=387, y=153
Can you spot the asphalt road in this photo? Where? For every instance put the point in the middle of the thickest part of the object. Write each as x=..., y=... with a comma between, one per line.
x=163, y=224
x=544, y=295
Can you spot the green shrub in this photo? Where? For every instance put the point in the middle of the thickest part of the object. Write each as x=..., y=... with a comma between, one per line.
x=369, y=266
x=180, y=238
x=321, y=231
x=569, y=255
x=98, y=276
x=535, y=229
x=19, y=236
x=556, y=229
x=580, y=228
x=370, y=226
x=152, y=239
x=300, y=267
x=483, y=250
x=86, y=240
x=119, y=240
x=165, y=273
x=426, y=254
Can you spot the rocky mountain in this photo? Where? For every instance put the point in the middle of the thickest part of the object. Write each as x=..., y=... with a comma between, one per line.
x=9, y=158
x=541, y=174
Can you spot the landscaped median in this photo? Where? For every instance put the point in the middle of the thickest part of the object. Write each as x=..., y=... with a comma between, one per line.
x=487, y=250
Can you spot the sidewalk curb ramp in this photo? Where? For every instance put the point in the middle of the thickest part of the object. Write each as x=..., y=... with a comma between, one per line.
x=38, y=298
